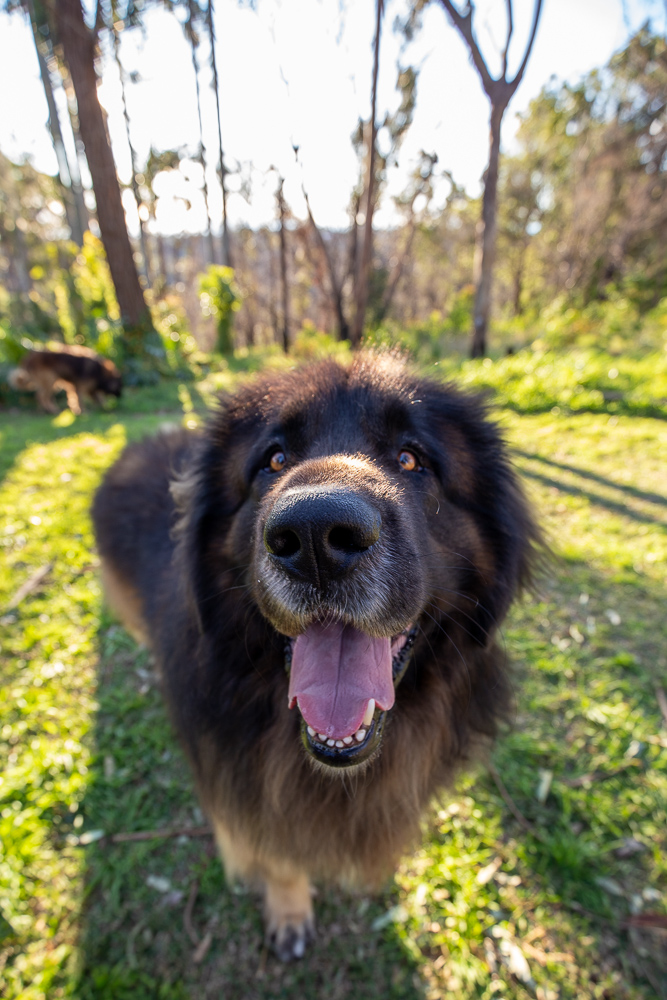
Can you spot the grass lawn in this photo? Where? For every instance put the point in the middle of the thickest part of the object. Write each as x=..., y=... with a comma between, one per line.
x=555, y=889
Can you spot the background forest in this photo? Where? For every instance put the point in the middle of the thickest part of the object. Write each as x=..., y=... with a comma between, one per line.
x=543, y=874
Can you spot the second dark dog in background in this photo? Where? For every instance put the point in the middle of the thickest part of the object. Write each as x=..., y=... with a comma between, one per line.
x=77, y=370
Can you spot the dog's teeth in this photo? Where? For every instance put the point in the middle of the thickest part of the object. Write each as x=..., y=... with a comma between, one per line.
x=347, y=740
x=370, y=708
x=311, y=731
x=360, y=735
x=340, y=744
x=322, y=736
x=331, y=743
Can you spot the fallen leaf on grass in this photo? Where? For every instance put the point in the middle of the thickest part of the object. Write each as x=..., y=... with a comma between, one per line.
x=515, y=960
x=159, y=883
x=396, y=915
x=486, y=874
x=609, y=885
x=629, y=847
x=544, y=786
x=576, y=634
x=90, y=836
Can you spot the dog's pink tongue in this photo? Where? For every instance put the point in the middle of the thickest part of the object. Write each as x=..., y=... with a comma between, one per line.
x=335, y=671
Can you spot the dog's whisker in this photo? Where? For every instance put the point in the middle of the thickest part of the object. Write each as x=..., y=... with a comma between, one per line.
x=458, y=624
x=474, y=621
x=463, y=661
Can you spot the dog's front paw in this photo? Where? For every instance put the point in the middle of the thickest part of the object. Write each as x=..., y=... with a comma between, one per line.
x=290, y=940
x=290, y=924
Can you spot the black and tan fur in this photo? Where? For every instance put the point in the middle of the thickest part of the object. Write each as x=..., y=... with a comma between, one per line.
x=181, y=524
x=77, y=370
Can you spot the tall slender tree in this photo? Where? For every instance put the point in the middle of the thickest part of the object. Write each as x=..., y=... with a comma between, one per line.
x=191, y=27
x=79, y=48
x=282, y=216
x=364, y=262
x=499, y=92
x=222, y=171
x=77, y=217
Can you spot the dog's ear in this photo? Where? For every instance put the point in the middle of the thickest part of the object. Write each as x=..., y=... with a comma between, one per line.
x=488, y=488
x=206, y=496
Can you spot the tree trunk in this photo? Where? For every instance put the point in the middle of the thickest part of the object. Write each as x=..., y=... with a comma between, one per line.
x=75, y=223
x=79, y=50
x=363, y=272
x=283, y=267
x=222, y=172
x=133, y=156
x=500, y=93
x=397, y=272
x=342, y=325
x=485, y=250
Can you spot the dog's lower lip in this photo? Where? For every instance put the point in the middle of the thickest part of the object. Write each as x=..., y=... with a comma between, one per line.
x=347, y=755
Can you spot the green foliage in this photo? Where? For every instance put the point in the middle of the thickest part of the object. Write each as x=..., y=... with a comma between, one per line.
x=219, y=297
x=594, y=381
x=310, y=344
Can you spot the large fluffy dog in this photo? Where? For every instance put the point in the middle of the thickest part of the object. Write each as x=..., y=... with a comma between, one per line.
x=77, y=370
x=321, y=575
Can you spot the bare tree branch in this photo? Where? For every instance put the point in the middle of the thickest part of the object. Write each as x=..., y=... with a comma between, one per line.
x=463, y=24
x=510, y=29
x=519, y=75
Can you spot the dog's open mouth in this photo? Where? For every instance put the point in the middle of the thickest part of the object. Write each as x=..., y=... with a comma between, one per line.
x=343, y=682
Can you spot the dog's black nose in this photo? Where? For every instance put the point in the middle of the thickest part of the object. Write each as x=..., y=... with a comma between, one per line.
x=319, y=533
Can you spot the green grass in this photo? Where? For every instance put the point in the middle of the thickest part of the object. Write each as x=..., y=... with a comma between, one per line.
x=481, y=904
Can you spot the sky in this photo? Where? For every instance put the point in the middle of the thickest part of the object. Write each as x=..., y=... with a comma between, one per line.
x=298, y=72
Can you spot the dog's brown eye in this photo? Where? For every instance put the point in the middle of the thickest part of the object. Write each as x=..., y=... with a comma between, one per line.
x=278, y=461
x=407, y=461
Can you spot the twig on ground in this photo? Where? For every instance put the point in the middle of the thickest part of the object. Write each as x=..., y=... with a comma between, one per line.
x=187, y=915
x=179, y=831
x=648, y=921
x=27, y=587
x=595, y=776
x=130, y=954
x=543, y=957
x=202, y=948
x=512, y=806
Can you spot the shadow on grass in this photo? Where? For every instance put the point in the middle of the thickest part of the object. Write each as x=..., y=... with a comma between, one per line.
x=623, y=488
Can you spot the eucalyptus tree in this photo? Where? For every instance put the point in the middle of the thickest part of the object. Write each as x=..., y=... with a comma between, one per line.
x=364, y=200
x=499, y=91
x=79, y=46
x=70, y=181
x=364, y=260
